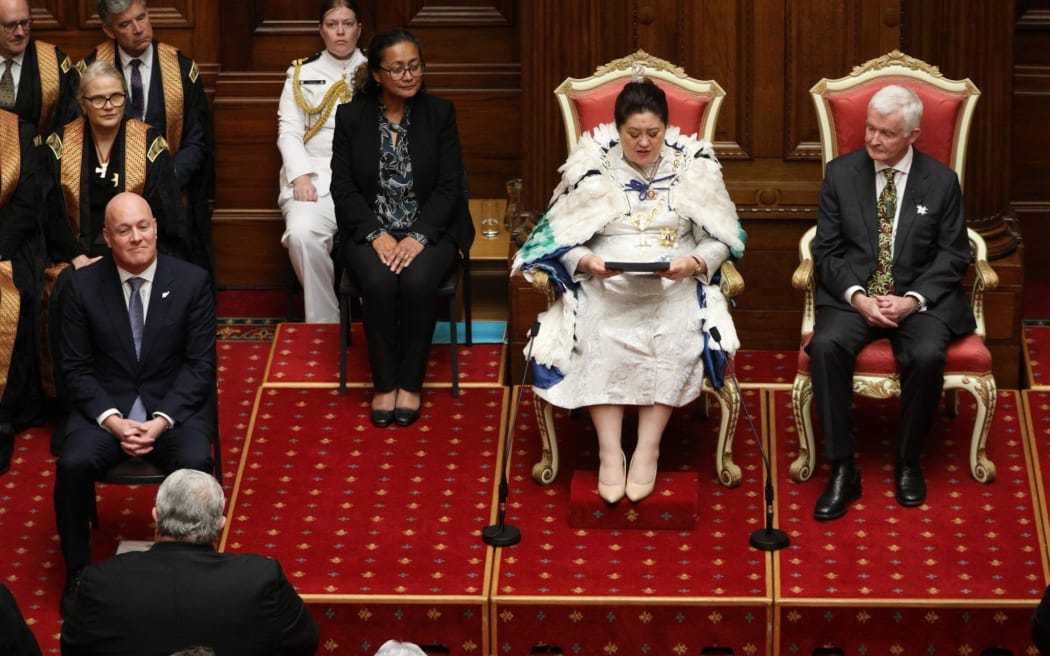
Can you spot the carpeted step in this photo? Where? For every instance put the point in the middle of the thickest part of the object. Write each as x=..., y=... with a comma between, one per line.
x=673, y=505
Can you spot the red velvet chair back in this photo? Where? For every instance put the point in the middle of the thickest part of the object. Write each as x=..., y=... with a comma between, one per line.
x=842, y=107
x=586, y=103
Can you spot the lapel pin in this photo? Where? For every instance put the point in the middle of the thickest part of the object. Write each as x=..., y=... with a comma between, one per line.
x=165, y=293
x=921, y=209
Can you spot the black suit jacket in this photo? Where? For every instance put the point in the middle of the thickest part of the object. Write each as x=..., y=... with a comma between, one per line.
x=931, y=249
x=29, y=104
x=15, y=637
x=176, y=371
x=437, y=170
x=178, y=595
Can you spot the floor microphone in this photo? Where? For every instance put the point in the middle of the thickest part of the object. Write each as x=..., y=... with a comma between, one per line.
x=768, y=538
x=502, y=534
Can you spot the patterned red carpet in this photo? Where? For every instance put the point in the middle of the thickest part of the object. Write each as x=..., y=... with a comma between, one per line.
x=1037, y=355
x=380, y=529
x=964, y=568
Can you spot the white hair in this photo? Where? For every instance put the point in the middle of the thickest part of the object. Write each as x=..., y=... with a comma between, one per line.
x=894, y=98
x=189, y=507
x=395, y=648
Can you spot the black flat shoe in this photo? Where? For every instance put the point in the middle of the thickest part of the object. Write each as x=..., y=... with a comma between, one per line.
x=843, y=488
x=909, y=485
x=382, y=418
x=405, y=417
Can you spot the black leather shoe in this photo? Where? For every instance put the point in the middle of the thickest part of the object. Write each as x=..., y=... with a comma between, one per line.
x=405, y=417
x=843, y=488
x=382, y=418
x=909, y=484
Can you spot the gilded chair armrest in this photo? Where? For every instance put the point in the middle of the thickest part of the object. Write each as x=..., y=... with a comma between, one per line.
x=985, y=278
x=802, y=279
x=732, y=284
x=541, y=281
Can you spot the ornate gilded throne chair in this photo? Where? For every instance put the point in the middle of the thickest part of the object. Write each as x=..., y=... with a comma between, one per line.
x=947, y=111
x=693, y=106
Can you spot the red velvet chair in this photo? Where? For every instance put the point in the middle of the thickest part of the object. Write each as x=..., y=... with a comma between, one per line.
x=947, y=110
x=693, y=107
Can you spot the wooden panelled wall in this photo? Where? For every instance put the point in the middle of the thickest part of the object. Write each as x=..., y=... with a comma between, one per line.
x=499, y=60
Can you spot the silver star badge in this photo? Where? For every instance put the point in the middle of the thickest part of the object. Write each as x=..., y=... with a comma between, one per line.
x=922, y=210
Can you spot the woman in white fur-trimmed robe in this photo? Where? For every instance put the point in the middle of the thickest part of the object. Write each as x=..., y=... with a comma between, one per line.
x=636, y=191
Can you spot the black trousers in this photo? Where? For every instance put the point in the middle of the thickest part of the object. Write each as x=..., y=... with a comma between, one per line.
x=399, y=311
x=89, y=452
x=919, y=343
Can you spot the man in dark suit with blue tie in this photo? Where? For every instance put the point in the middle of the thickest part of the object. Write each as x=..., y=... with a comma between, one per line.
x=891, y=250
x=138, y=348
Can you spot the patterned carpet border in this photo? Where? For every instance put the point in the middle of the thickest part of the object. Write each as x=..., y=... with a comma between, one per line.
x=1037, y=417
x=981, y=542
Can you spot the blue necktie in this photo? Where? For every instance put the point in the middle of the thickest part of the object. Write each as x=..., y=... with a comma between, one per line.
x=137, y=318
x=137, y=101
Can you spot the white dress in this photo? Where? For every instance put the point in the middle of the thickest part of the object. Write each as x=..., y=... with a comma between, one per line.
x=638, y=338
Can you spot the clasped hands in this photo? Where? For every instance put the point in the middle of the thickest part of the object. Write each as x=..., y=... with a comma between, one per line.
x=884, y=311
x=136, y=437
x=396, y=254
x=679, y=268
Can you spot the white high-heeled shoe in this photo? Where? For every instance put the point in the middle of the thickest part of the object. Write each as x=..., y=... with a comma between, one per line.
x=613, y=493
x=635, y=492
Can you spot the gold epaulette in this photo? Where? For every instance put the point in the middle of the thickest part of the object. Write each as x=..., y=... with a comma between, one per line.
x=305, y=60
x=158, y=146
x=66, y=64
x=55, y=143
x=194, y=72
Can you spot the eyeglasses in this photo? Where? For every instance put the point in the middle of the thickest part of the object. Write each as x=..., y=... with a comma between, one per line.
x=98, y=102
x=398, y=72
x=9, y=28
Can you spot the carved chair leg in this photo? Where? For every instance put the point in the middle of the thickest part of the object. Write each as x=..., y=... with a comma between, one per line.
x=801, y=400
x=729, y=473
x=983, y=389
x=545, y=471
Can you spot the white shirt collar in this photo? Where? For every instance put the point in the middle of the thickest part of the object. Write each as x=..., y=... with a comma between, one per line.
x=902, y=166
x=146, y=275
x=146, y=58
x=343, y=65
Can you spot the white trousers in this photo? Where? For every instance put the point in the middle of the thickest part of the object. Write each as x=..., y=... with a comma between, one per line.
x=309, y=229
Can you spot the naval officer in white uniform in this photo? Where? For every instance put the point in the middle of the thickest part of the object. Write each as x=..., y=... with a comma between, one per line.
x=314, y=88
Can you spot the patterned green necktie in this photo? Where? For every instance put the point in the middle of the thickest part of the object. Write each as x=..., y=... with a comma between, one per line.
x=882, y=280
x=7, y=86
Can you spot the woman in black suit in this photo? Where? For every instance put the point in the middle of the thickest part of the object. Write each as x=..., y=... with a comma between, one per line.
x=397, y=185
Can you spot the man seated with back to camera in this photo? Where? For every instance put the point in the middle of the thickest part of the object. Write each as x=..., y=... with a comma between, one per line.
x=182, y=592
x=138, y=349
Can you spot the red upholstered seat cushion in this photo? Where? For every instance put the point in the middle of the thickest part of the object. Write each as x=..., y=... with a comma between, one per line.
x=849, y=111
x=684, y=109
x=967, y=354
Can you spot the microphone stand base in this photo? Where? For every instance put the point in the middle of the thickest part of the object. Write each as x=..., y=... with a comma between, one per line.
x=769, y=539
x=501, y=535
